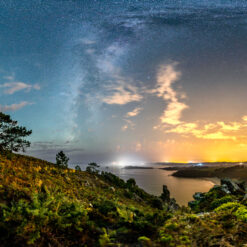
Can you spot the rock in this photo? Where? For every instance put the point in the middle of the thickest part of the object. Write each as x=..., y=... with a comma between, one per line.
x=243, y=186
x=232, y=186
x=112, y=189
x=203, y=214
x=173, y=205
x=199, y=196
x=165, y=196
x=225, y=189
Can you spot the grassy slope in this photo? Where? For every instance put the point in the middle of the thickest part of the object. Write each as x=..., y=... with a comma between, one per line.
x=106, y=205
x=42, y=205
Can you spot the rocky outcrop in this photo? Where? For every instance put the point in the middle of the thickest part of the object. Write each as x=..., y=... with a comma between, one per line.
x=165, y=197
x=233, y=187
x=228, y=190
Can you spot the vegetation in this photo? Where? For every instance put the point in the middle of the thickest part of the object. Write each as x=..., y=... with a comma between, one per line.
x=12, y=136
x=45, y=204
x=42, y=204
x=62, y=160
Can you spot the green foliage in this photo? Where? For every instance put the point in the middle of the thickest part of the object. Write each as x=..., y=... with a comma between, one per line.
x=131, y=183
x=113, y=179
x=105, y=206
x=241, y=213
x=218, y=202
x=166, y=238
x=228, y=206
x=44, y=213
x=125, y=214
x=12, y=136
x=145, y=241
x=62, y=160
x=104, y=239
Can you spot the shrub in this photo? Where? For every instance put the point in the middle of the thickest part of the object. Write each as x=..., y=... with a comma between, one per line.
x=241, y=213
x=145, y=241
x=130, y=182
x=78, y=168
x=228, y=206
x=105, y=206
x=218, y=202
x=29, y=221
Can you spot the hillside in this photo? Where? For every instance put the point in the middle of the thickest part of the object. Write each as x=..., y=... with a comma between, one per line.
x=44, y=205
x=234, y=172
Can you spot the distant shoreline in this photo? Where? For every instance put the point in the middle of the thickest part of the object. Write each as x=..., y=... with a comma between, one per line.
x=138, y=167
x=234, y=172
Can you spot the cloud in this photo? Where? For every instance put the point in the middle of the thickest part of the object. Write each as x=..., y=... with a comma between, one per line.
x=217, y=131
x=218, y=136
x=231, y=126
x=134, y=113
x=171, y=117
x=12, y=87
x=128, y=125
x=166, y=77
x=14, y=107
x=122, y=94
x=173, y=112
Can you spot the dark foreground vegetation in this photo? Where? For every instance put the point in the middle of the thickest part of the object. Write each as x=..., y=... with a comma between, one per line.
x=44, y=204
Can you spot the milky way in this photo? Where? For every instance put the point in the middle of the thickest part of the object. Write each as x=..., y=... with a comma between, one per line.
x=146, y=80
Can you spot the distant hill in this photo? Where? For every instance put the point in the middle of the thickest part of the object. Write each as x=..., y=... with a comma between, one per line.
x=235, y=172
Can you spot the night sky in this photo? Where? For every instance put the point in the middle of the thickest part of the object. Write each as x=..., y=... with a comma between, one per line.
x=121, y=81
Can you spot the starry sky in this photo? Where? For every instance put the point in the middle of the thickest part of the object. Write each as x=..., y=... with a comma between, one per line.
x=114, y=80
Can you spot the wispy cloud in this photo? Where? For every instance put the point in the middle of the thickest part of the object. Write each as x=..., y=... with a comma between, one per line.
x=134, y=113
x=14, y=107
x=216, y=131
x=128, y=125
x=166, y=77
x=122, y=94
x=13, y=87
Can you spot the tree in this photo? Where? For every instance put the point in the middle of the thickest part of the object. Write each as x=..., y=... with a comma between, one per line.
x=62, y=159
x=92, y=168
x=12, y=136
x=77, y=168
x=131, y=182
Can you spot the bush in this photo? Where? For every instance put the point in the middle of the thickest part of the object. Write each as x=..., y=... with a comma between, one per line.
x=241, y=213
x=228, y=206
x=43, y=217
x=105, y=207
x=218, y=202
